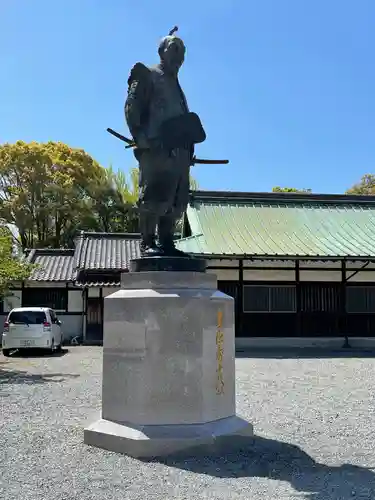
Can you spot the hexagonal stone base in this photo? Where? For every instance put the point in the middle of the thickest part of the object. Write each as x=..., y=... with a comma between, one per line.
x=163, y=440
x=168, y=364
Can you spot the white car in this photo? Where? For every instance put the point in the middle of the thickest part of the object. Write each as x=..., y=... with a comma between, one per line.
x=32, y=327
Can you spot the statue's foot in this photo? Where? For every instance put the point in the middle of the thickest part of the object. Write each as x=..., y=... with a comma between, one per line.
x=151, y=250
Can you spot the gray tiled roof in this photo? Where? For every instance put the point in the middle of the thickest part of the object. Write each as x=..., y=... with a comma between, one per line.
x=99, y=251
x=93, y=252
x=52, y=265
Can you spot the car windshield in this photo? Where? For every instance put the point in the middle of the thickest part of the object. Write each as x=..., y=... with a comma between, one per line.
x=27, y=317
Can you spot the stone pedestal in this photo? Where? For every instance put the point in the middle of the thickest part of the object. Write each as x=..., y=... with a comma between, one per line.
x=168, y=366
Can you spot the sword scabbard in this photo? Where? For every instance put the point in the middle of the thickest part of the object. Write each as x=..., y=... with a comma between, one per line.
x=201, y=161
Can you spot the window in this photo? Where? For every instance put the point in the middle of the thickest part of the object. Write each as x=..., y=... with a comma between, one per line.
x=265, y=298
x=27, y=317
x=321, y=297
x=43, y=297
x=360, y=299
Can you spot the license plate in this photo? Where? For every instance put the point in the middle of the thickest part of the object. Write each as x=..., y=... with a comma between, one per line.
x=26, y=343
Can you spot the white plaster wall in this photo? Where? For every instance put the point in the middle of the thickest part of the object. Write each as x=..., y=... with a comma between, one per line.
x=269, y=275
x=72, y=326
x=320, y=275
x=75, y=301
x=268, y=264
x=93, y=291
x=223, y=263
x=13, y=300
x=361, y=276
x=325, y=271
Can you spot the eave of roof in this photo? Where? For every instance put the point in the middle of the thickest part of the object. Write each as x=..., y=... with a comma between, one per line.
x=93, y=284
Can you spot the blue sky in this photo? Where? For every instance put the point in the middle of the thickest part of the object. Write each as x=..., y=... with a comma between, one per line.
x=285, y=89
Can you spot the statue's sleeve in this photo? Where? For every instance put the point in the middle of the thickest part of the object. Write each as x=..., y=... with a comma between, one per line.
x=138, y=98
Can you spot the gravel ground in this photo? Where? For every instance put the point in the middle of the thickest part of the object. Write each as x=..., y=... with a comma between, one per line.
x=314, y=420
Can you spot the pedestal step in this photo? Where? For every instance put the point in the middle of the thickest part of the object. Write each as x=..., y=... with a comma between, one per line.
x=152, y=441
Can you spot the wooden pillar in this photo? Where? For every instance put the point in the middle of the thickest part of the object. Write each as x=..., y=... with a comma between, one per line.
x=84, y=313
x=101, y=310
x=23, y=294
x=343, y=323
x=239, y=302
x=298, y=300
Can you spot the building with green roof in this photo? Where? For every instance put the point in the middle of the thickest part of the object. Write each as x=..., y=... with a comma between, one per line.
x=299, y=265
x=280, y=225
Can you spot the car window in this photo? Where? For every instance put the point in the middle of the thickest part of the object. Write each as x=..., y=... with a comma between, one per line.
x=27, y=317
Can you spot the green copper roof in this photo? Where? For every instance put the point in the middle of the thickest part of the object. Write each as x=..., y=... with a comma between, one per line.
x=280, y=225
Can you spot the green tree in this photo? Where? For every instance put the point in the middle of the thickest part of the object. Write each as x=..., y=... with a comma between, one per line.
x=51, y=191
x=127, y=188
x=43, y=189
x=279, y=189
x=11, y=268
x=366, y=186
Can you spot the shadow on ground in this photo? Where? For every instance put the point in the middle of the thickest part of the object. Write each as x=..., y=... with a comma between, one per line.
x=9, y=374
x=38, y=353
x=21, y=377
x=276, y=460
x=304, y=353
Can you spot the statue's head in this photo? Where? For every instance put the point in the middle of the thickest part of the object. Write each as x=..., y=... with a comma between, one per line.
x=172, y=53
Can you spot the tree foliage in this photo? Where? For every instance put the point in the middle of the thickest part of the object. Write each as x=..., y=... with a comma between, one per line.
x=366, y=186
x=11, y=268
x=279, y=189
x=51, y=191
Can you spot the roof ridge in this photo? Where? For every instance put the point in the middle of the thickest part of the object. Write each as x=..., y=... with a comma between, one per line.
x=287, y=197
x=78, y=250
x=50, y=252
x=93, y=234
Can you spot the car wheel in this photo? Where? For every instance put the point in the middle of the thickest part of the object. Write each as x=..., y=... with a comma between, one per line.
x=6, y=352
x=59, y=348
x=52, y=348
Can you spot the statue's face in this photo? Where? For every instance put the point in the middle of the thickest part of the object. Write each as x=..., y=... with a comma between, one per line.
x=172, y=54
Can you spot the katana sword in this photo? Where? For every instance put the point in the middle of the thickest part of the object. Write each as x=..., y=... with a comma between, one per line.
x=129, y=142
x=201, y=161
x=195, y=161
